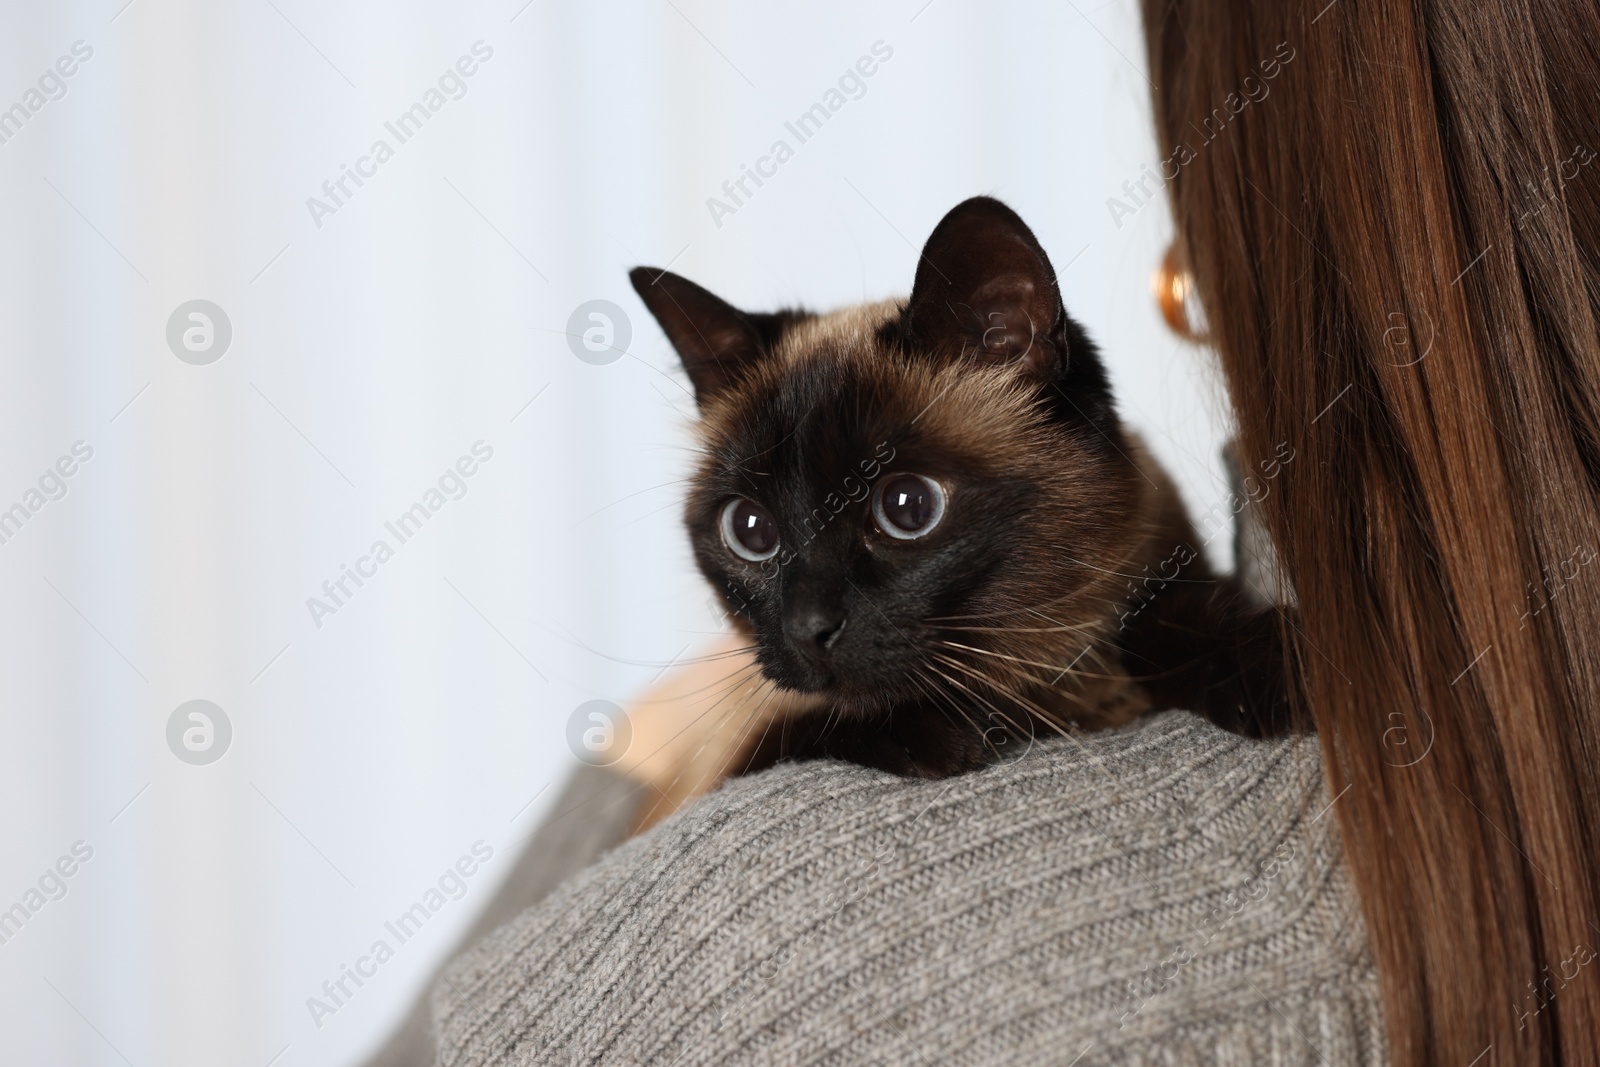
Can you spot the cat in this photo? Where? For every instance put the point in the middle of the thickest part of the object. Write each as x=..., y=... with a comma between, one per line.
x=929, y=519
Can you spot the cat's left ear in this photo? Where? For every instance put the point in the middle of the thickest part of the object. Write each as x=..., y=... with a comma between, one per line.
x=985, y=291
x=717, y=342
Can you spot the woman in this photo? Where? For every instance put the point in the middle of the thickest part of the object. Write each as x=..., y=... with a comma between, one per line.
x=1396, y=252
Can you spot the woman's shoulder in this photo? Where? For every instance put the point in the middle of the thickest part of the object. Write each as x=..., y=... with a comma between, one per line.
x=1164, y=888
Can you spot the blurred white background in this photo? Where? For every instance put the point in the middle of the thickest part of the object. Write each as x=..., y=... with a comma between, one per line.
x=373, y=346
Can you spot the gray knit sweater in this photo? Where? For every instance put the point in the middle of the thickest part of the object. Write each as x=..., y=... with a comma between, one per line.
x=1163, y=894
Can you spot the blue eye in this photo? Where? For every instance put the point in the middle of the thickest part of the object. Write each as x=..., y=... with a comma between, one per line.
x=908, y=506
x=749, y=530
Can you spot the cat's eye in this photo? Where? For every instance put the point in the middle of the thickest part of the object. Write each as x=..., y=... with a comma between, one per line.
x=908, y=506
x=749, y=530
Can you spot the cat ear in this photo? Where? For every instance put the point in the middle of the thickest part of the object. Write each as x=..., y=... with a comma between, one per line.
x=716, y=341
x=985, y=289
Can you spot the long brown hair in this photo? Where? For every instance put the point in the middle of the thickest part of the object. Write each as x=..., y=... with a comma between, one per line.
x=1394, y=236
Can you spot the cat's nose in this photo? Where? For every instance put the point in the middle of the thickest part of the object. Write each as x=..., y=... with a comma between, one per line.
x=814, y=629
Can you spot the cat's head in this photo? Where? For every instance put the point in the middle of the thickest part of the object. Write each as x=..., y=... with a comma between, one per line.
x=894, y=496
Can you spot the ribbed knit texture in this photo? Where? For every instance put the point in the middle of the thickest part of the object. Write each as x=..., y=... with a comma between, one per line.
x=1164, y=894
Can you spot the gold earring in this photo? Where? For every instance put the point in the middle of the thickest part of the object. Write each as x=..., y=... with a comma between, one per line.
x=1173, y=287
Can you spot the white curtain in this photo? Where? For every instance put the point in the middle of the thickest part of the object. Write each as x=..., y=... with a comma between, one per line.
x=186, y=517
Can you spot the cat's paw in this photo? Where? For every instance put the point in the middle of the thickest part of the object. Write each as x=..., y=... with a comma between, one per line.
x=931, y=746
x=911, y=742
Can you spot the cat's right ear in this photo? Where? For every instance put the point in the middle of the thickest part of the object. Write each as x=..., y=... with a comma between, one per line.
x=985, y=289
x=716, y=341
